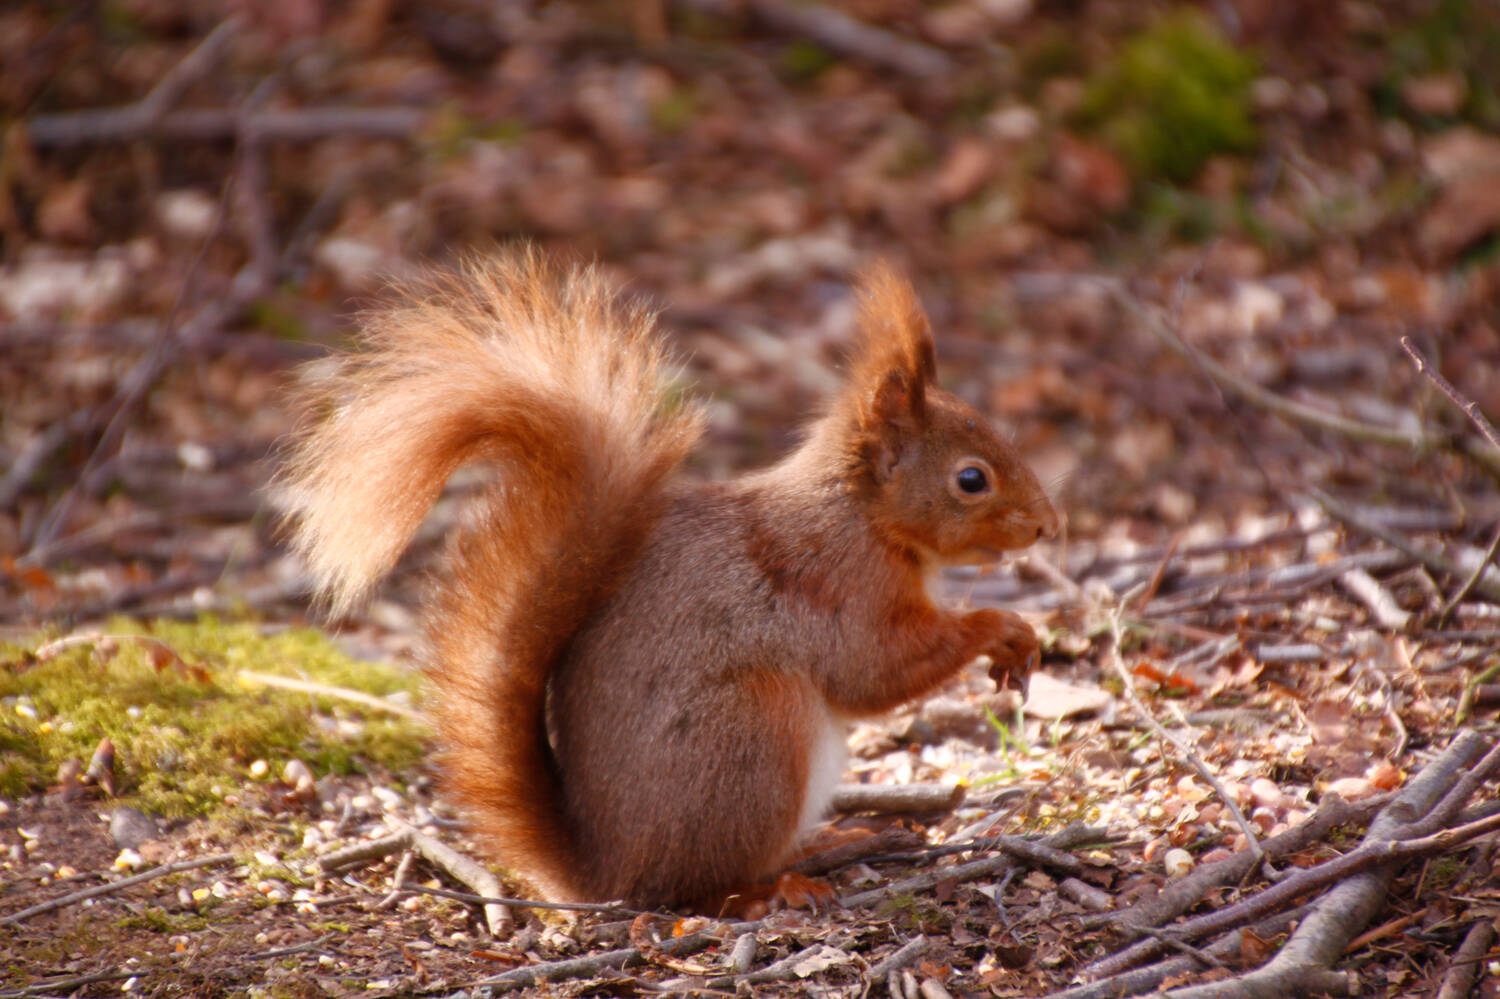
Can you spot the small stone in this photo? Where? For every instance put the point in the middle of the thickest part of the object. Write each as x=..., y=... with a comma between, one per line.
x=130, y=827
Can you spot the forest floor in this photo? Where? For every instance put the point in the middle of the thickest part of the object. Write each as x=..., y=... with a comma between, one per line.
x=1230, y=275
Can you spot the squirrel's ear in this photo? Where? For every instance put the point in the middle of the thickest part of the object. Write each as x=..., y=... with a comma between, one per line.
x=894, y=364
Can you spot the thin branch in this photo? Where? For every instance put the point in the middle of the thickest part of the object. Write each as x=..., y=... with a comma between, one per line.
x=1064, y=839
x=1353, y=898
x=1464, y=968
x=81, y=128
x=604, y=908
x=1469, y=406
x=1480, y=567
x=840, y=33
x=1437, y=563
x=1117, y=659
x=213, y=860
x=896, y=798
x=340, y=693
x=138, y=381
x=1294, y=412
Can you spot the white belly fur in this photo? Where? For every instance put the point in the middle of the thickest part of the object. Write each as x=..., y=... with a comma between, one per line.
x=827, y=757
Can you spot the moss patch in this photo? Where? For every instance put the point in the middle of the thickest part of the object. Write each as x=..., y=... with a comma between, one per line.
x=184, y=723
x=1177, y=94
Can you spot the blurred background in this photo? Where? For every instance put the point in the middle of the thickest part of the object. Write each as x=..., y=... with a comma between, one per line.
x=197, y=197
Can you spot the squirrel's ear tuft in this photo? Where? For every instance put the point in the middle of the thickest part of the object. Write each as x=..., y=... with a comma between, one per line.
x=895, y=360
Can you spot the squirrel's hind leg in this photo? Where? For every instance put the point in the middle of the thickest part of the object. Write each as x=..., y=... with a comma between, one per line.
x=740, y=774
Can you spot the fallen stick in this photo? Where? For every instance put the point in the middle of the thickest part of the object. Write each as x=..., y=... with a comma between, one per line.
x=1488, y=588
x=777, y=971
x=249, y=677
x=1469, y=406
x=897, y=798
x=1181, y=895
x=1480, y=568
x=1144, y=979
x=839, y=32
x=66, y=986
x=466, y=871
x=213, y=860
x=898, y=959
x=1064, y=839
x=578, y=967
x=1117, y=660
x=1464, y=968
x=462, y=869
x=1358, y=894
x=1377, y=598
x=96, y=126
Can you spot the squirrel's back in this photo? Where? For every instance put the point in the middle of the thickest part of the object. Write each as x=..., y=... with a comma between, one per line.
x=543, y=372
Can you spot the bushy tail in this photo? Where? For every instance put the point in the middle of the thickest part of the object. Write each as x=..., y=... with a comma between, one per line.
x=542, y=371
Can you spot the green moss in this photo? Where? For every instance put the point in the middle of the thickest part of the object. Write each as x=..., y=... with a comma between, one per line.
x=674, y=112
x=160, y=921
x=1176, y=95
x=804, y=60
x=184, y=723
x=452, y=132
x=277, y=320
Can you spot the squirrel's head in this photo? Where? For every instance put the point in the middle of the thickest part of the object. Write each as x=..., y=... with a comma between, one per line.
x=937, y=476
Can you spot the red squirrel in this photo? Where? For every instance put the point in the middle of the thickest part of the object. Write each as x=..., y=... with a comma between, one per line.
x=641, y=683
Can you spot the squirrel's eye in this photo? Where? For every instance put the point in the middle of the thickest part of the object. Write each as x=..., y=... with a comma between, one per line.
x=972, y=480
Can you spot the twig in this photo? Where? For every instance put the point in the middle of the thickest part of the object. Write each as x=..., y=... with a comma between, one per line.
x=1377, y=598
x=1348, y=906
x=195, y=65
x=606, y=908
x=36, y=453
x=777, y=971
x=81, y=128
x=1179, y=896
x=555, y=971
x=1480, y=567
x=1464, y=967
x=339, y=693
x=1064, y=839
x=897, y=798
x=65, y=986
x=1117, y=659
x=398, y=880
x=838, y=31
x=1469, y=406
x=360, y=853
x=497, y=916
x=1489, y=589
x=1197, y=954
x=213, y=860
x=1294, y=412
x=898, y=959
x=1387, y=929
x=1153, y=584
x=260, y=231
x=133, y=387
x=302, y=948
x=1227, y=948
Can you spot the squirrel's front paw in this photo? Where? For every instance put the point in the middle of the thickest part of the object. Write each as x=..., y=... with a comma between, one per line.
x=1012, y=648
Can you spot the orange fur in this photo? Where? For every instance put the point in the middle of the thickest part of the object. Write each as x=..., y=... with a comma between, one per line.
x=640, y=683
